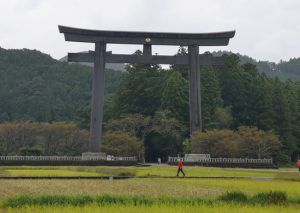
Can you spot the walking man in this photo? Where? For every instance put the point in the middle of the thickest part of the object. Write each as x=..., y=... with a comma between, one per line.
x=298, y=164
x=180, y=165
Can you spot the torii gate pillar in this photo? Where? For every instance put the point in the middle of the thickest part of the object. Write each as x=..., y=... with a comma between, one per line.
x=97, y=97
x=194, y=89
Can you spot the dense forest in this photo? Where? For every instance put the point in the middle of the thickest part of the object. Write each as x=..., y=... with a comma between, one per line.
x=284, y=70
x=239, y=103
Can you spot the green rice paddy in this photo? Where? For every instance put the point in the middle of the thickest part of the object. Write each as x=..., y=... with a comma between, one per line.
x=286, y=180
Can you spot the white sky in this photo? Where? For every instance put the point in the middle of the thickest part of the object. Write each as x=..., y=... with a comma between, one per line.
x=265, y=29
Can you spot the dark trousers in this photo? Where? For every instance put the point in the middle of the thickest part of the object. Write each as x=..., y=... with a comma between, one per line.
x=180, y=170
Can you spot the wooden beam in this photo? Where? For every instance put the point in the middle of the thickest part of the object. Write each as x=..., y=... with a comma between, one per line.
x=146, y=59
x=154, y=38
x=147, y=49
x=194, y=89
x=81, y=57
x=97, y=98
x=154, y=41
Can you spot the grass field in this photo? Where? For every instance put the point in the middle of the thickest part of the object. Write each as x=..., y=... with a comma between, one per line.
x=144, y=171
x=161, y=209
x=285, y=180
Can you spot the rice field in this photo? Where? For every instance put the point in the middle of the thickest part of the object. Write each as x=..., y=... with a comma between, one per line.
x=160, y=209
x=144, y=171
x=286, y=180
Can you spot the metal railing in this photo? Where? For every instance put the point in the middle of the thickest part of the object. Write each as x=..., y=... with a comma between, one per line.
x=226, y=160
x=64, y=158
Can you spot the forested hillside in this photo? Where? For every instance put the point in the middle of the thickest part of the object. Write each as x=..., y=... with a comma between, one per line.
x=284, y=70
x=35, y=86
x=152, y=103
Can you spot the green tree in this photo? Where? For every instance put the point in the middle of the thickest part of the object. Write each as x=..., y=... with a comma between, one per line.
x=282, y=117
x=136, y=124
x=122, y=144
x=140, y=89
x=255, y=143
x=210, y=95
x=182, y=69
x=223, y=118
x=217, y=143
x=175, y=97
x=165, y=137
x=247, y=142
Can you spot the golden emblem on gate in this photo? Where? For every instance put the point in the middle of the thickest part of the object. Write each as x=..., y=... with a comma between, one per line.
x=148, y=40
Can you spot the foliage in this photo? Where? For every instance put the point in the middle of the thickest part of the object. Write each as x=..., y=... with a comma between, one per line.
x=34, y=86
x=223, y=118
x=137, y=124
x=161, y=134
x=239, y=197
x=272, y=197
x=28, y=151
x=246, y=142
x=258, y=144
x=42, y=138
x=269, y=198
x=122, y=144
x=174, y=97
x=139, y=90
x=210, y=96
x=164, y=138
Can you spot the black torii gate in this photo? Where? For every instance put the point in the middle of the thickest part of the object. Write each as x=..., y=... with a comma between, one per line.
x=99, y=57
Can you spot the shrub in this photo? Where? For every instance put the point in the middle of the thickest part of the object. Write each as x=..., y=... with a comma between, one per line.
x=239, y=197
x=272, y=197
x=122, y=144
x=126, y=174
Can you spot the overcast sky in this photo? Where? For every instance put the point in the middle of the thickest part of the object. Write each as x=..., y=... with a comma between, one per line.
x=265, y=29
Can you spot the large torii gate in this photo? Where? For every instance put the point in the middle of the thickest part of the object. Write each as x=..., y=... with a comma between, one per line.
x=99, y=57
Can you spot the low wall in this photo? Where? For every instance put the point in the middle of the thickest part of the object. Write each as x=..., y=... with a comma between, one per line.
x=66, y=163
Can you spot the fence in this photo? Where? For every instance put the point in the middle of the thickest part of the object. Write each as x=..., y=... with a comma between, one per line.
x=226, y=160
x=64, y=158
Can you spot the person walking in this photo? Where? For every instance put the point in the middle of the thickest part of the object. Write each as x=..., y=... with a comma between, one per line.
x=180, y=165
x=298, y=164
x=158, y=161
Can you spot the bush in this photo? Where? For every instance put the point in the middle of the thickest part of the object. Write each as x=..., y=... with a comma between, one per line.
x=31, y=151
x=239, y=197
x=122, y=144
x=272, y=197
x=247, y=142
x=126, y=174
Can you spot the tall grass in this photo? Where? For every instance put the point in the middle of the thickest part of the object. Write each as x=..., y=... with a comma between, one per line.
x=239, y=197
x=222, y=207
x=273, y=197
